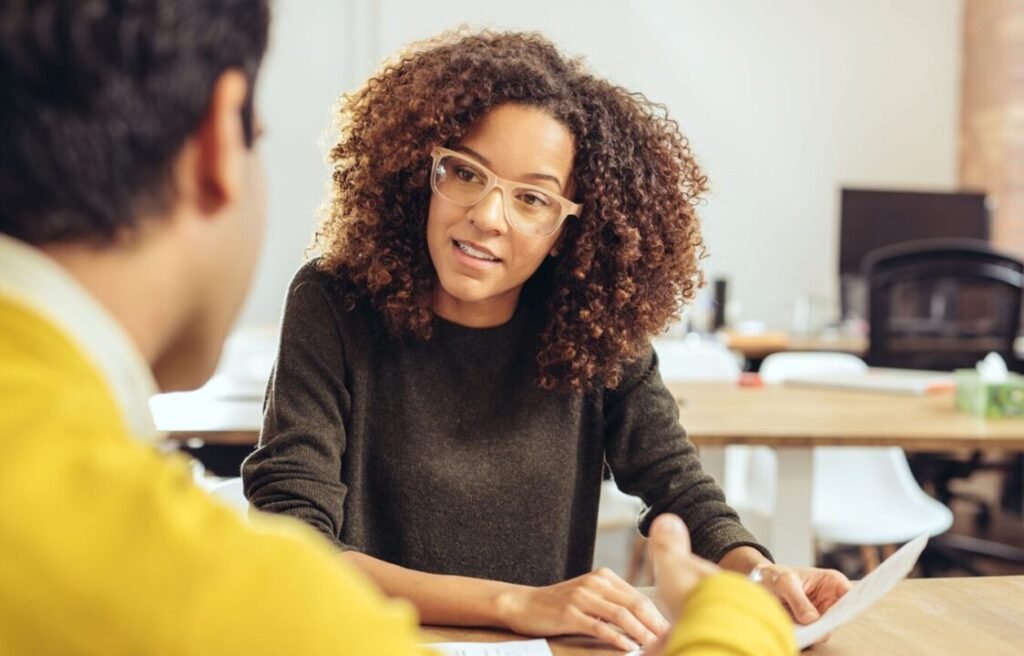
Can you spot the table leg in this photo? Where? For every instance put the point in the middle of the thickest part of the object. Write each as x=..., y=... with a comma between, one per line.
x=792, y=535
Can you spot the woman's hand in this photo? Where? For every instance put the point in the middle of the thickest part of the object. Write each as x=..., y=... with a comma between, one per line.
x=806, y=592
x=598, y=604
x=676, y=570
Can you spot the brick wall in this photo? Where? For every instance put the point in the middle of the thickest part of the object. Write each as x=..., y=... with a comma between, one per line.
x=992, y=116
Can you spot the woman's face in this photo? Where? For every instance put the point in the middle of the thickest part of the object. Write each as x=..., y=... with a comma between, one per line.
x=481, y=262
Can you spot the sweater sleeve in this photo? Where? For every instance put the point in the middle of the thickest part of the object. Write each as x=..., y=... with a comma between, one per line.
x=274, y=587
x=296, y=470
x=651, y=457
x=729, y=616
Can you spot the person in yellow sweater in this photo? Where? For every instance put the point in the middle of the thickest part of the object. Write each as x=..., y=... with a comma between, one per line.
x=131, y=216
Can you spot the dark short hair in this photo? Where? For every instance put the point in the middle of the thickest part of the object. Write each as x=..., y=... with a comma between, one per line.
x=97, y=97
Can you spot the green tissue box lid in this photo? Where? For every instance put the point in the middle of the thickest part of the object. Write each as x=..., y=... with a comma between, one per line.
x=993, y=400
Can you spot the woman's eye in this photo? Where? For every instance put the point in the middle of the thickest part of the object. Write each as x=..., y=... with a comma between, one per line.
x=533, y=199
x=466, y=174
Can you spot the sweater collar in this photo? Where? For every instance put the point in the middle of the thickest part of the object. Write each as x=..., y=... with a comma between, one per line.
x=37, y=281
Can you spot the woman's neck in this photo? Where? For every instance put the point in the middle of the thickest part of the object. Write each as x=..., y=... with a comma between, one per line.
x=486, y=313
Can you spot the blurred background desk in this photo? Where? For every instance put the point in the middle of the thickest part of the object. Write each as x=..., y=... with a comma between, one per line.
x=217, y=428
x=219, y=423
x=793, y=420
x=755, y=348
x=221, y=430
x=920, y=616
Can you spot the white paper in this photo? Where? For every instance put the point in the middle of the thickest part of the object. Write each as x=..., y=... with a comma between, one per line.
x=864, y=593
x=518, y=648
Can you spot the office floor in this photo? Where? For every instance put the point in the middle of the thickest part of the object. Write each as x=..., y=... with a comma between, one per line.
x=1006, y=526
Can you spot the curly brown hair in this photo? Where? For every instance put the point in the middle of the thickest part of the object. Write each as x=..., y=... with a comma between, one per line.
x=623, y=270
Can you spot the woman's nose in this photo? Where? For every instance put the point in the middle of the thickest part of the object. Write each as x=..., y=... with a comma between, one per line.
x=489, y=212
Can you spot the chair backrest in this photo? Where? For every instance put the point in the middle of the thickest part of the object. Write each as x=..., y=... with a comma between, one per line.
x=850, y=483
x=616, y=509
x=695, y=359
x=942, y=303
x=777, y=367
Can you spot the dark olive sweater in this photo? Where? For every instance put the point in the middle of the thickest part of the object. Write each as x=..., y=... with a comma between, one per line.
x=445, y=457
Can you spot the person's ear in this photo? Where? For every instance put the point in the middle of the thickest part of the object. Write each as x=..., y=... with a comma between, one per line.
x=557, y=248
x=221, y=144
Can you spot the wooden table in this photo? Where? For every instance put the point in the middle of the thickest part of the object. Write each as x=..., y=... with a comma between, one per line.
x=983, y=615
x=759, y=346
x=212, y=418
x=793, y=420
x=920, y=616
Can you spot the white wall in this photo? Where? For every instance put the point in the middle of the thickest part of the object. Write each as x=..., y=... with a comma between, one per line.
x=783, y=101
x=309, y=62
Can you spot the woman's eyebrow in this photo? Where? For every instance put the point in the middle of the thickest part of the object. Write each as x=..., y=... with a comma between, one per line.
x=529, y=176
x=467, y=149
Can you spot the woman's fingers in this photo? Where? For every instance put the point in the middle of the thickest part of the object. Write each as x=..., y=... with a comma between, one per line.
x=619, y=616
x=639, y=605
x=592, y=626
x=786, y=585
x=599, y=604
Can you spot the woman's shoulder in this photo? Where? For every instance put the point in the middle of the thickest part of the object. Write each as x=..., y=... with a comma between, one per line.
x=312, y=272
x=636, y=369
x=313, y=287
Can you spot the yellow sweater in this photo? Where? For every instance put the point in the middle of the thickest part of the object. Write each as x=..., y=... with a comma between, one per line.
x=106, y=547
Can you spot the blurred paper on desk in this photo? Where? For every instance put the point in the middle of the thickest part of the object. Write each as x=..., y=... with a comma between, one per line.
x=886, y=381
x=864, y=593
x=517, y=648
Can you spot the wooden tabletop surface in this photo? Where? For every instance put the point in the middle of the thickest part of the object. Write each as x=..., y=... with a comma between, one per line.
x=757, y=347
x=982, y=615
x=716, y=414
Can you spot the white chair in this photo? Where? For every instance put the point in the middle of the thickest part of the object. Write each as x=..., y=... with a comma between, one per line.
x=861, y=495
x=678, y=359
x=696, y=359
x=231, y=493
x=693, y=358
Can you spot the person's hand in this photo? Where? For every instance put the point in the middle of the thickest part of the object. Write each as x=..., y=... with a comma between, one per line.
x=676, y=570
x=598, y=604
x=806, y=592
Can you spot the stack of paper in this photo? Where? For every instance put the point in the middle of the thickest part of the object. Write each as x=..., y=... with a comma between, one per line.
x=518, y=648
x=888, y=381
x=864, y=593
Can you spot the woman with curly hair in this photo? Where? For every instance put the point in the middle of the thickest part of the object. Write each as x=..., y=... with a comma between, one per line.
x=505, y=232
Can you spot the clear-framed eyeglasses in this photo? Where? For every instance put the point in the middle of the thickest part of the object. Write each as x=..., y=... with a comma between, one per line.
x=531, y=210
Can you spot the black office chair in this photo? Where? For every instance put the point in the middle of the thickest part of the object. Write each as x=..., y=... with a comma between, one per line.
x=942, y=305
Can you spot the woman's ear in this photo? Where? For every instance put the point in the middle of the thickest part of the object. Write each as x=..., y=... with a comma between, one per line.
x=557, y=248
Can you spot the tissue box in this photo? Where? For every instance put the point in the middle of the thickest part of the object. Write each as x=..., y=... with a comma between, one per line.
x=977, y=397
